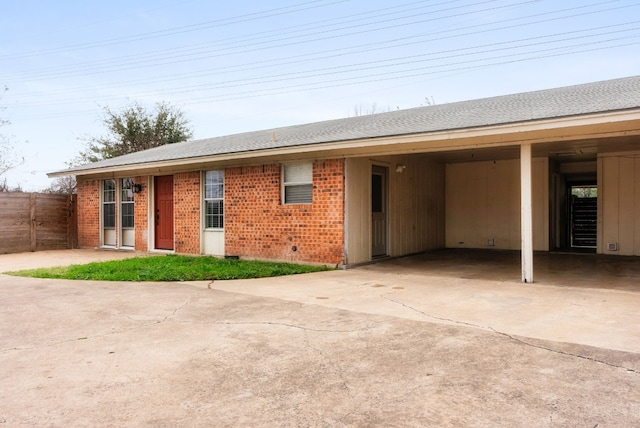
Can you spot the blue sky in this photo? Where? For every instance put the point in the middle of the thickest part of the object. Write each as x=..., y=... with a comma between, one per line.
x=250, y=65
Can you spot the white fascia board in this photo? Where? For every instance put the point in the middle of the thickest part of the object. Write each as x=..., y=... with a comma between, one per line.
x=503, y=135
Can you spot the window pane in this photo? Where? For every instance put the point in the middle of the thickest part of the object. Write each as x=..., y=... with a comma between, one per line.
x=298, y=194
x=127, y=215
x=298, y=173
x=126, y=186
x=109, y=216
x=109, y=191
x=214, y=192
x=376, y=193
x=214, y=185
x=213, y=199
x=214, y=214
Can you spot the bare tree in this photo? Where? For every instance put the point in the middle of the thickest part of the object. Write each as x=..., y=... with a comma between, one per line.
x=66, y=185
x=4, y=187
x=9, y=159
x=363, y=109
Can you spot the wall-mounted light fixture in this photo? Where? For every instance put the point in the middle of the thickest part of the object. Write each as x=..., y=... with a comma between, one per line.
x=137, y=188
x=400, y=168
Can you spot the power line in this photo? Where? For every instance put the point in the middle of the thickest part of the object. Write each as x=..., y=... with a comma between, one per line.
x=397, y=75
x=386, y=63
x=354, y=72
x=378, y=76
x=237, y=49
x=262, y=76
x=173, y=60
x=173, y=31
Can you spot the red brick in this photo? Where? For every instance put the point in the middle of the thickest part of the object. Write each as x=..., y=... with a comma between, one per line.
x=257, y=224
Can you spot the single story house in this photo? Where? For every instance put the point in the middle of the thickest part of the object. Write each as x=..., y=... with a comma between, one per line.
x=536, y=171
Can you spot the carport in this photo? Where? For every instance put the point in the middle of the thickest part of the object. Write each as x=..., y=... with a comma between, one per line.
x=554, y=185
x=558, y=269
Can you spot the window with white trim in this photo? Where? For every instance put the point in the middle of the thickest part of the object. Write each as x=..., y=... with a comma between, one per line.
x=126, y=203
x=297, y=183
x=109, y=204
x=214, y=199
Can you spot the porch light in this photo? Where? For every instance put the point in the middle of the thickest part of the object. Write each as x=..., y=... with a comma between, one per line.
x=400, y=168
x=137, y=188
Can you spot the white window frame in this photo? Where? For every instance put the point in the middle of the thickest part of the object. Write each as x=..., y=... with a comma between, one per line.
x=109, y=202
x=126, y=185
x=218, y=198
x=121, y=195
x=302, y=177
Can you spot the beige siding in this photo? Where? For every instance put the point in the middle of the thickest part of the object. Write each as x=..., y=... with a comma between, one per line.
x=483, y=203
x=619, y=204
x=416, y=214
x=358, y=207
x=415, y=206
x=541, y=209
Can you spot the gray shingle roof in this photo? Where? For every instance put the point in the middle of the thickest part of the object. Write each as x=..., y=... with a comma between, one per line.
x=604, y=96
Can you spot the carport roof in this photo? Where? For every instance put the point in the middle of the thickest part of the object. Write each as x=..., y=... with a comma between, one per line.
x=584, y=99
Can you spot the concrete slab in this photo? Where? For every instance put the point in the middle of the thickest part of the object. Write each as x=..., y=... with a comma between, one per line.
x=51, y=258
x=381, y=345
x=589, y=316
x=170, y=354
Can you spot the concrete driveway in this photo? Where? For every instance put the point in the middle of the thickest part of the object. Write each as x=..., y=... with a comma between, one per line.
x=364, y=347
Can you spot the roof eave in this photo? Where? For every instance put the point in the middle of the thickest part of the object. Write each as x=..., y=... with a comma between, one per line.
x=434, y=141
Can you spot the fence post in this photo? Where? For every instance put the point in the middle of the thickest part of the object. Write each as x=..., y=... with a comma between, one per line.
x=72, y=222
x=32, y=221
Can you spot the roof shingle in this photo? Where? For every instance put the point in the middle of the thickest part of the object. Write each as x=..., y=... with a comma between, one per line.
x=589, y=98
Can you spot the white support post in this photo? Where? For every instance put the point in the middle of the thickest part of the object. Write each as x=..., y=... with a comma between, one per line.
x=526, y=213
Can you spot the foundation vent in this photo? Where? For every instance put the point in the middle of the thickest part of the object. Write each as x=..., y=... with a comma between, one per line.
x=612, y=246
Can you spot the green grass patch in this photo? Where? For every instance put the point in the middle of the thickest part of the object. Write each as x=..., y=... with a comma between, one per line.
x=170, y=268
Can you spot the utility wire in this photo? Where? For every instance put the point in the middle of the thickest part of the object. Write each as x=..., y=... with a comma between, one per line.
x=173, y=31
x=82, y=72
x=335, y=53
x=239, y=49
x=377, y=64
x=324, y=86
x=409, y=73
x=269, y=84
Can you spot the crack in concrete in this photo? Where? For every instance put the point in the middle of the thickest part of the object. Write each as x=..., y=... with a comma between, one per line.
x=569, y=354
x=515, y=339
x=296, y=326
x=334, y=367
x=79, y=339
x=310, y=346
x=175, y=311
x=166, y=317
x=98, y=336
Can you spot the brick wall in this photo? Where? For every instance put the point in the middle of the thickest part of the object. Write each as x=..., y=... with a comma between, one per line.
x=141, y=218
x=257, y=225
x=88, y=213
x=186, y=212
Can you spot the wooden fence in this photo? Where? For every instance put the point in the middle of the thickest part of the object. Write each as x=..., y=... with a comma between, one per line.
x=36, y=222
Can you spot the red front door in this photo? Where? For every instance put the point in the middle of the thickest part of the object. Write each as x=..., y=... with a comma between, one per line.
x=164, y=212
